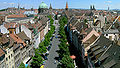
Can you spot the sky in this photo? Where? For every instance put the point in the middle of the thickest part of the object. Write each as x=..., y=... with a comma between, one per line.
x=85, y=4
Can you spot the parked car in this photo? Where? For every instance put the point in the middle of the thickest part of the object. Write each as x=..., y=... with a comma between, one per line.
x=45, y=57
x=55, y=62
x=53, y=34
x=49, y=47
x=50, y=44
x=51, y=38
x=56, y=36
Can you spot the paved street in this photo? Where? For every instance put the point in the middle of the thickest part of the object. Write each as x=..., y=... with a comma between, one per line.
x=50, y=63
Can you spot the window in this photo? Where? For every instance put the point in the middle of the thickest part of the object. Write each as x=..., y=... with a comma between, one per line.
x=9, y=56
x=106, y=34
x=9, y=63
x=105, y=47
x=6, y=59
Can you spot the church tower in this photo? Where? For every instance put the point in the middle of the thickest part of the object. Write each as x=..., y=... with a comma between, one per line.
x=50, y=6
x=66, y=6
x=50, y=9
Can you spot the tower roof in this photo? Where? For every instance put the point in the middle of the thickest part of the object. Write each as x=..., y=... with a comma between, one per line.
x=50, y=6
x=66, y=5
x=43, y=5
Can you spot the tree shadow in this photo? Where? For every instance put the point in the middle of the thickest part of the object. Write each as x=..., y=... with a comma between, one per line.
x=56, y=58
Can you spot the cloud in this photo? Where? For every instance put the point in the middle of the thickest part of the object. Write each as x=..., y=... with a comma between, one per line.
x=108, y=1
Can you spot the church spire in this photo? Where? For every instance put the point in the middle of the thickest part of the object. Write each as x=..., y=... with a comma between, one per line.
x=50, y=6
x=66, y=6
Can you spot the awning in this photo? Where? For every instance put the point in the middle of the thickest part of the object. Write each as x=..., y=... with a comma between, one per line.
x=72, y=57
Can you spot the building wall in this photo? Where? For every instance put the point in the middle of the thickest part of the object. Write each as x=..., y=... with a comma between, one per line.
x=41, y=35
x=23, y=54
x=9, y=57
x=46, y=29
x=27, y=31
x=36, y=40
x=2, y=62
x=17, y=57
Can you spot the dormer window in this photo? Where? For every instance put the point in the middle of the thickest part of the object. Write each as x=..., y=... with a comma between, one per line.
x=27, y=42
x=114, y=53
x=106, y=34
x=105, y=47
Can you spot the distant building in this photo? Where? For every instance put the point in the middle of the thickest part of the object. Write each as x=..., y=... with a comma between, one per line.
x=66, y=6
x=50, y=9
x=92, y=7
x=43, y=8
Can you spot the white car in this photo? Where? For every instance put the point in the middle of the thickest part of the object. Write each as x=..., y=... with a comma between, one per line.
x=47, y=52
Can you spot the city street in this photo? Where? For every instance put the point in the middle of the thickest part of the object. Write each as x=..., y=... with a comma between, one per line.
x=52, y=62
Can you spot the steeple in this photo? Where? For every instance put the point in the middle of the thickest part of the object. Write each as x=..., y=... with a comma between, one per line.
x=18, y=6
x=93, y=7
x=108, y=8
x=90, y=7
x=50, y=6
x=66, y=6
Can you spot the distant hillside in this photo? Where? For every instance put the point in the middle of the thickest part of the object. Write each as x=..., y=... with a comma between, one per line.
x=2, y=9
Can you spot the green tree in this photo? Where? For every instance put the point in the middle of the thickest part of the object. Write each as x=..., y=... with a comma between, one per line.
x=22, y=65
x=37, y=60
x=67, y=62
x=64, y=53
x=42, y=48
x=35, y=17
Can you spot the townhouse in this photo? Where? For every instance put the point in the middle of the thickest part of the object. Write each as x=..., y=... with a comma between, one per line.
x=103, y=53
x=7, y=47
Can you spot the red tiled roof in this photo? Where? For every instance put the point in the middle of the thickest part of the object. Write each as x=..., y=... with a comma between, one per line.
x=3, y=39
x=17, y=16
x=17, y=39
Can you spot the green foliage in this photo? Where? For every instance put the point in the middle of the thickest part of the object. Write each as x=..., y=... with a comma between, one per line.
x=67, y=62
x=38, y=59
x=35, y=17
x=3, y=9
x=64, y=53
x=22, y=65
x=42, y=49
